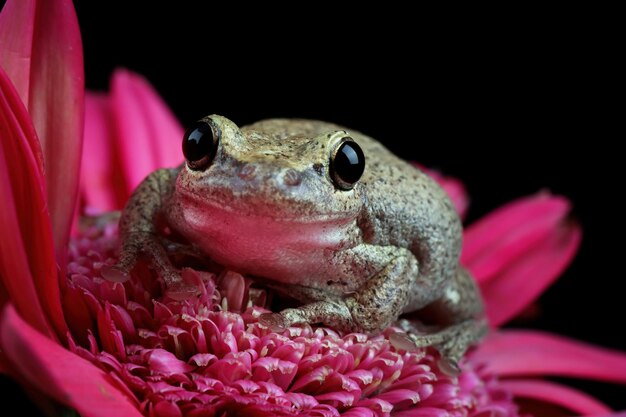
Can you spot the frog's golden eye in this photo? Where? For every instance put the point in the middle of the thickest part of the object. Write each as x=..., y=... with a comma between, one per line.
x=200, y=144
x=347, y=164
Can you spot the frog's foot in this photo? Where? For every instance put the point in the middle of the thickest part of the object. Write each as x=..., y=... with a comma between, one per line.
x=451, y=342
x=311, y=312
x=182, y=249
x=150, y=246
x=274, y=321
x=333, y=314
x=370, y=309
x=301, y=293
x=189, y=285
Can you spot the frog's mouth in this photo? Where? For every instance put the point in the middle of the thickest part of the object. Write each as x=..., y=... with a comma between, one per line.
x=247, y=207
x=278, y=207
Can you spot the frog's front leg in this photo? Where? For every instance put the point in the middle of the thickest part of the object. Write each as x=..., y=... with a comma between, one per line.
x=374, y=306
x=139, y=233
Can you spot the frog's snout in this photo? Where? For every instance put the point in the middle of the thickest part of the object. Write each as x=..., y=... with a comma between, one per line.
x=287, y=177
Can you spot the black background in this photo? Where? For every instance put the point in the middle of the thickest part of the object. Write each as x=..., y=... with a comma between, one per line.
x=510, y=108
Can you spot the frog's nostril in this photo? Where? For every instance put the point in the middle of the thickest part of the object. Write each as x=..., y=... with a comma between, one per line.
x=292, y=177
x=247, y=172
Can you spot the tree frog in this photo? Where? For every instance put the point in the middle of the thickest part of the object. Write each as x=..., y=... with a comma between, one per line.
x=322, y=213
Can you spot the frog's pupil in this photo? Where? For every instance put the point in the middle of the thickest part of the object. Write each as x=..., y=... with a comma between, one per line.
x=349, y=162
x=198, y=142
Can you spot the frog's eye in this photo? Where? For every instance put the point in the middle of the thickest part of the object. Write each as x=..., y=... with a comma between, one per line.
x=347, y=164
x=200, y=144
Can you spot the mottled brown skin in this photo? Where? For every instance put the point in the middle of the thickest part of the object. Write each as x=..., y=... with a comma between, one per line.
x=267, y=206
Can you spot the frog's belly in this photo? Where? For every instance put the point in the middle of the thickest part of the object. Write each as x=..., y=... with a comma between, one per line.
x=290, y=252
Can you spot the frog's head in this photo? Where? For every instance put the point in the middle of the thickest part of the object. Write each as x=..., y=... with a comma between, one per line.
x=285, y=170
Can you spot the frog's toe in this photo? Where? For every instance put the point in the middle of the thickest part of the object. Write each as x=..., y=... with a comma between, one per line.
x=274, y=321
x=402, y=341
x=115, y=273
x=120, y=272
x=449, y=366
x=448, y=362
x=182, y=291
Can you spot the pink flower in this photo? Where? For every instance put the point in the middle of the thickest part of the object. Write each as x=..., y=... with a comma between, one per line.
x=132, y=110
x=107, y=348
x=209, y=356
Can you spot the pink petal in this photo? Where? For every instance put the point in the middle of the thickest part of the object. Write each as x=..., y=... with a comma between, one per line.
x=230, y=369
x=376, y=404
x=165, y=409
x=17, y=21
x=165, y=362
x=512, y=243
x=102, y=184
x=145, y=126
x=202, y=359
x=124, y=322
x=527, y=277
x=423, y=412
x=56, y=106
x=400, y=395
x=359, y=412
x=27, y=263
x=556, y=394
x=302, y=401
x=481, y=237
x=109, y=335
x=337, y=398
x=234, y=287
x=291, y=352
x=77, y=314
x=532, y=353
x=59, y=373
x=275, y=370
x=317, y=377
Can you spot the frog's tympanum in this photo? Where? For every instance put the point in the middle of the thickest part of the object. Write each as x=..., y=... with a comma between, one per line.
x=324, y=214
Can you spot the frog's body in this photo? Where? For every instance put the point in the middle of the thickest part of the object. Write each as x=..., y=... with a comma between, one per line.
x=268, y=203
